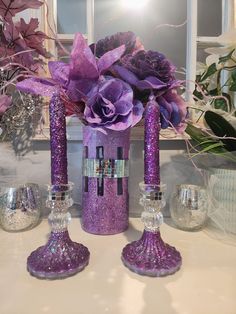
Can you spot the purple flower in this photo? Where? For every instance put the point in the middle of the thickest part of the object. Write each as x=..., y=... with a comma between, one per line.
x=128, y=39
x=76, y=78
x=148, y=70
x=173, y=110
x=110, y=105
x=150, y=63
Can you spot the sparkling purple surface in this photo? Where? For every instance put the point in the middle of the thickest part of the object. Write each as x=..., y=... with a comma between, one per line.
x=151, y=256
x=58, y=141
x=107, y=214
x=151, y=143
x=59, y=258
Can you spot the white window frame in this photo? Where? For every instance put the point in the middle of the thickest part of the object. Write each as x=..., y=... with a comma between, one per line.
x=194, y=41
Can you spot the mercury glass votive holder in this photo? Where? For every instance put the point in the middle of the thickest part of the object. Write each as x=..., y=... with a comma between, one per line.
x=20, y=206
x=150, y=255
x=189, y=206
x=60, y=257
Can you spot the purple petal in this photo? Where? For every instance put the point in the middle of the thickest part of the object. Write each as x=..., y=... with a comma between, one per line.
x=123, y=107
x=123, y=124
x=82, y=63
x=165, y=118
x=137, y=112
x=110, y=57
x=59, y=71
x=125, y=74
x=114, y=91
x=176, y=114
x=151, y=82
x=162, y=102
x=89, y=116
x=38, y=86
x=172, y=96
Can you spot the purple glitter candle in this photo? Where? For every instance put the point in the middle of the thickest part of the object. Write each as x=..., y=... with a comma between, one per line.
x=60, y=257
x=150, y=255
x=58, y=141
x=151, y=144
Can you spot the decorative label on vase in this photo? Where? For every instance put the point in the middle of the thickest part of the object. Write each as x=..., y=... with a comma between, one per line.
x=105, y=181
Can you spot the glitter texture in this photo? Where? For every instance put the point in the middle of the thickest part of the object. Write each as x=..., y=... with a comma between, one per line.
x=151, y=256
x=151, y=144
x=106, y=214
x=59, y=258
x=58, y=141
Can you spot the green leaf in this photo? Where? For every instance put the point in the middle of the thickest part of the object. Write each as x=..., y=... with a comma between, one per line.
x=210, y=71
x=220, y=103
x=232, y=87
x=209, y=149
x=227, y=57
x=213, y=92
x=198, y=94
x=233, y=75
x=222, y=128
x=204, y=140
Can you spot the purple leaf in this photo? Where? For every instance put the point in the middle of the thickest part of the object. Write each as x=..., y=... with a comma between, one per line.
x=33, y=39
x=38, y=86
x=9, y=8
x=83, y=63
x=59, y=71
x=110, y=57
x=13, y=37
x=5, y=102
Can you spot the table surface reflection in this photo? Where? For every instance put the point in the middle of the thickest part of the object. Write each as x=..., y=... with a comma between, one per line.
x=204, y=285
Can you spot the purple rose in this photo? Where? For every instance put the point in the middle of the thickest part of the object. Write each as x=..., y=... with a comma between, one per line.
x=148, y=70
x=110, y=105
x=128, y=39
x=173, y=110
x=150, y=63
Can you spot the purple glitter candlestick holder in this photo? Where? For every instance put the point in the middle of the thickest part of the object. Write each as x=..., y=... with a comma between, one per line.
x=60, y=257
x=149, y=255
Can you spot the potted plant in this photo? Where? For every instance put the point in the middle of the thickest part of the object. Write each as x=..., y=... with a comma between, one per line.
x=213, y=131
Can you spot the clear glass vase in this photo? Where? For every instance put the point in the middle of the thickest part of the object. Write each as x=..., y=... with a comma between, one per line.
x=105, y=180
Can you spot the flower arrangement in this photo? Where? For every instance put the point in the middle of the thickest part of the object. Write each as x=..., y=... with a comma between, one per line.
x=21, y=52
x=214, y=99
x=107, y=84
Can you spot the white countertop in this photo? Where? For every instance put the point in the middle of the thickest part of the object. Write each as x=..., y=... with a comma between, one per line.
x=206, y=283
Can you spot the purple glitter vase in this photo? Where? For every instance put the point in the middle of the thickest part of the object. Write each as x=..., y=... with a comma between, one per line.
x=105, y=181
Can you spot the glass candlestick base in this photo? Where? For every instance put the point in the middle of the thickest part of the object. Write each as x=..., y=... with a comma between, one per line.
x=60, y=257
x=149, y=255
